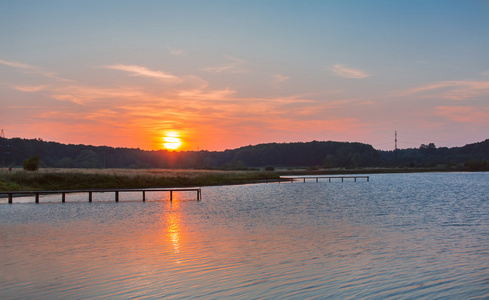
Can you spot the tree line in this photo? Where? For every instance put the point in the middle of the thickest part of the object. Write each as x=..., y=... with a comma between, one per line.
x=320, y=154
x=471, y=157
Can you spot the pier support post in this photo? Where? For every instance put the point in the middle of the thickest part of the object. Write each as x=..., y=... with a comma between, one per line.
x=116, y=196
x=171, y=195
x=144, y=196
x=10, y=197
x=37, y=197
x=89, y=196
x=355, y=179
x=63, y=197
x=317, y=179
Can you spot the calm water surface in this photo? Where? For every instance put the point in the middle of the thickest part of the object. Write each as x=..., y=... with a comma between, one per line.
x=397, y=236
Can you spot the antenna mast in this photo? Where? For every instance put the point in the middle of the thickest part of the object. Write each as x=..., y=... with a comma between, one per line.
x=395, y=140
x=3, y=147
x=395, y=145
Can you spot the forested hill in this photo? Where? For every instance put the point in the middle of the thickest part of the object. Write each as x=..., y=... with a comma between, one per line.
x=326, y=154
x=311, y=154
x=474, y=157
x=332, y=154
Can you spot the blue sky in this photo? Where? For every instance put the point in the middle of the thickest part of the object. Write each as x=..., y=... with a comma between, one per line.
x=225, y=74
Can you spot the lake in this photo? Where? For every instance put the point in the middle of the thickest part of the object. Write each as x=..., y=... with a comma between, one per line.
x=397, y=236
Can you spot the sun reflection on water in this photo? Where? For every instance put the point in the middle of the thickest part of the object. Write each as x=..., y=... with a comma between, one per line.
x=174, y=226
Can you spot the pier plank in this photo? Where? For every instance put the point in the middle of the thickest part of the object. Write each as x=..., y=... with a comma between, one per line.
x=303, y=178
x=90, y=192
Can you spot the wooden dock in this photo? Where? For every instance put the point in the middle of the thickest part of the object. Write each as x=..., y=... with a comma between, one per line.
x=90, y=193
x=296, y=178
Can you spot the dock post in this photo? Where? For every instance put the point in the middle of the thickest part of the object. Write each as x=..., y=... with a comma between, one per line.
x=171, y=195
x=63, y=197
x=316, y=179
x=10, y=196
x=144, y=196
x=198, y=195
x=342, y=179
x=37, y=197
x=329, y=179
x=116, y=196
x=367, y=178
x=89, y=196
x=355, y=179
x=304, y=179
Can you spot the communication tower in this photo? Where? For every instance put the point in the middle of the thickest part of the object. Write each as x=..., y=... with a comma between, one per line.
x=3, y=147
x=395, y=140
x=395, y=145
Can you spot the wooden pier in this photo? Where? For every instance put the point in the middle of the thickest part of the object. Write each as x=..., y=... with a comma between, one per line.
x=296, y=178
x=90, y=193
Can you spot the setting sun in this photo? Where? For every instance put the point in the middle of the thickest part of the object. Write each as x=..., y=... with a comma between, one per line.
x=172, y=140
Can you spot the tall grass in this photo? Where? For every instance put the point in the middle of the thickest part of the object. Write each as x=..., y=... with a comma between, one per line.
x=72, y=179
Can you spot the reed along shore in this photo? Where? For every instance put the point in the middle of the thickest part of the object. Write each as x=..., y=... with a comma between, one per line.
x=47, y=179
x=67, y=179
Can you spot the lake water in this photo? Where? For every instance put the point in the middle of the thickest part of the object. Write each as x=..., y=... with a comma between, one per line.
x=397, y=236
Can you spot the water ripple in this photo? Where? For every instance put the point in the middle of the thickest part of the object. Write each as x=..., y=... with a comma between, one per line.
x=399, y=236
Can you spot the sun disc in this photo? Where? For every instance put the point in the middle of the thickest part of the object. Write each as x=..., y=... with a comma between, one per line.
x=172, y=141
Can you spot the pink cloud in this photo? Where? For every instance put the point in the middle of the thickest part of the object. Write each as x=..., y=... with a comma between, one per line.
x=15, y=64
x=234, y=66
x=85, y=94
x=280, y=78
x=209, y=117
x=175, y=51
x=30, y=69
x=30, y=89
x=145, y=72
x=455, y=90
x=464, y=114
x=346, y=72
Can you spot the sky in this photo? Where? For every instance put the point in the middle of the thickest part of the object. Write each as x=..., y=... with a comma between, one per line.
x=218, y=75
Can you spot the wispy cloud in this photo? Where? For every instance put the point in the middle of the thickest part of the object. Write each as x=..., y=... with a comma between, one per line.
x=280, y=78
x=346, y=72
x=145, y=72
x=193, y=105
x=464, y=114
x=31, y=69
x=199, y=94
x=85, y=94
x=175, y=51
x=234, y=66
x=455, y=90
x=30, y=89
x=15, y=64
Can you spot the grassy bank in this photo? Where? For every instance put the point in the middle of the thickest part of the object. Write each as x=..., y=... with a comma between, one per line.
x=341, y=171
x=67, y=179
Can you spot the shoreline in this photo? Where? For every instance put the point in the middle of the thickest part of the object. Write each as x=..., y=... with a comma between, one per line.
x=73, y=179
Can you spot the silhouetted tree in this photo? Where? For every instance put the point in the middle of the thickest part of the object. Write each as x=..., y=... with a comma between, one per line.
x=31, y=164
